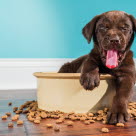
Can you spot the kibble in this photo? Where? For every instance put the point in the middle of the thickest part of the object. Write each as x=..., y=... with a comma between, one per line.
x=38, y=118
x=120, y=125
x=56, y=128
x=104, y=122
x=86, y=122
x=100, y=112
x=49, y=125
x=18, y=111
x=37, y=121
x=92, y=121
x=10, y=124
x=15, y=117
x=58, y=121
x=90, y=114
x=4, y=117
x=94, y=118
x=8, y=114
x=83, y=118
x=99, y=118
x=43, y=115
x=15, y=109
x=20, y=122
x=10, y=103
x=31, y=119
x=69, y=123
x=105, y=130
x=25, y=111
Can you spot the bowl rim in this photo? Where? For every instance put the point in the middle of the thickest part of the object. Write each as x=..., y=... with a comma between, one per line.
x=55, y=75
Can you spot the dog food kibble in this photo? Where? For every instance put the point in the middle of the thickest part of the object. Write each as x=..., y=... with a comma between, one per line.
x=10, y=124
x=18, y=111
x=4, y=117
x=8, y=114
x=10, y=103
x=87, y=122
x=61, y=119
x=15, y=109
x=105, y=109
x=31, y=114
x=73, y=118
x=25, y=111
x=90, y=114
x=49, y=125
x=105, y=130
x=104, y=122
x=91, y=121
x=99, y=118
x=31, y=119
x=43, y=115
x=69, y=123
x=83, y=118
x=38, y=118
x=120, y=125
x=56, y=128
x=20, y=122
x=94, y=118
x=100, y=111
x=58, y=121
x=37, y=121
x=15, y=117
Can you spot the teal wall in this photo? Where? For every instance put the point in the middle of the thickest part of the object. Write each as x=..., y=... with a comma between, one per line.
x=50, y=28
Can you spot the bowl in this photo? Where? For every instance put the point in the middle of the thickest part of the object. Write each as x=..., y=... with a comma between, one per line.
x=62, y=91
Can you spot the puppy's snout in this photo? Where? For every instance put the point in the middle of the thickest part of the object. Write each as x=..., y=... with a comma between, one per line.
x=115, y=40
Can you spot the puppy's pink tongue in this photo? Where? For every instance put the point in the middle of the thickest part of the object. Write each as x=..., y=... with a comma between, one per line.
x=111, y=59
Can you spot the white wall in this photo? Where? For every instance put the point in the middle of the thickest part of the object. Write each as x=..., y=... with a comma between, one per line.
x=18, y=73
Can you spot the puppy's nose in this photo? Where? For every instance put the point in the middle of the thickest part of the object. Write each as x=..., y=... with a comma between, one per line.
x=115, y=40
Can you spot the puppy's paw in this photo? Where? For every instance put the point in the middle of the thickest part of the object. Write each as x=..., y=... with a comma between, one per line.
x=113, y=118
x=89, y=80
x=118, y=112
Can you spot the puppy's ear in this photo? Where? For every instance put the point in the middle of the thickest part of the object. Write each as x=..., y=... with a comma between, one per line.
x=89, y=28
x=133, y=22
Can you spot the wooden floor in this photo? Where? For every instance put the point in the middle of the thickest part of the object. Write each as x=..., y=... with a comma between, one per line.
x=18, y=97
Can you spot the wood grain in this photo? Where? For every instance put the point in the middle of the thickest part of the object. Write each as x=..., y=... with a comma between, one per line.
x=18, y=97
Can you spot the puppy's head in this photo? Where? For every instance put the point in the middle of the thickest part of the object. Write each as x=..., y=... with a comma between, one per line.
x=113, y=34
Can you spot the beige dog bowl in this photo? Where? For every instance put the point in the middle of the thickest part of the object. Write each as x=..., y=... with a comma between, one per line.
x=62, y=91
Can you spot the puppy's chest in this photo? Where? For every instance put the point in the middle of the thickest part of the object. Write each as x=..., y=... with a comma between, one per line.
x=103, y=69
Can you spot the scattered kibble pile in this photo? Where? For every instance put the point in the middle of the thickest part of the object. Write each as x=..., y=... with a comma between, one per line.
x=35, y=115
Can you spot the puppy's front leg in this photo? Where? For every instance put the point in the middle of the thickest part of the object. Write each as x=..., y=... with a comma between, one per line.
x=118, y=112
x=90, y=77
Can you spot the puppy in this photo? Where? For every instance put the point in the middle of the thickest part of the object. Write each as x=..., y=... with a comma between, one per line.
x=113, y=34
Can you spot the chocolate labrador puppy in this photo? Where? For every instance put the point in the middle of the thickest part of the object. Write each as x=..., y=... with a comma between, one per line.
x=113, y=34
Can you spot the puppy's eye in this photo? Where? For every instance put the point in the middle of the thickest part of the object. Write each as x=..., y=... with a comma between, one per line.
x=123, y=28
x=104, y=28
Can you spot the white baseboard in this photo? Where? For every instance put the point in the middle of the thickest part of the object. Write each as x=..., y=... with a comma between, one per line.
x=18, y=73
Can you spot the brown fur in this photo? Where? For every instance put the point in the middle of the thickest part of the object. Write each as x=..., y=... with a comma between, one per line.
x=103, y=28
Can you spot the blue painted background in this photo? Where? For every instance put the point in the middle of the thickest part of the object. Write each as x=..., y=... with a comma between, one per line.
x=50, y=28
